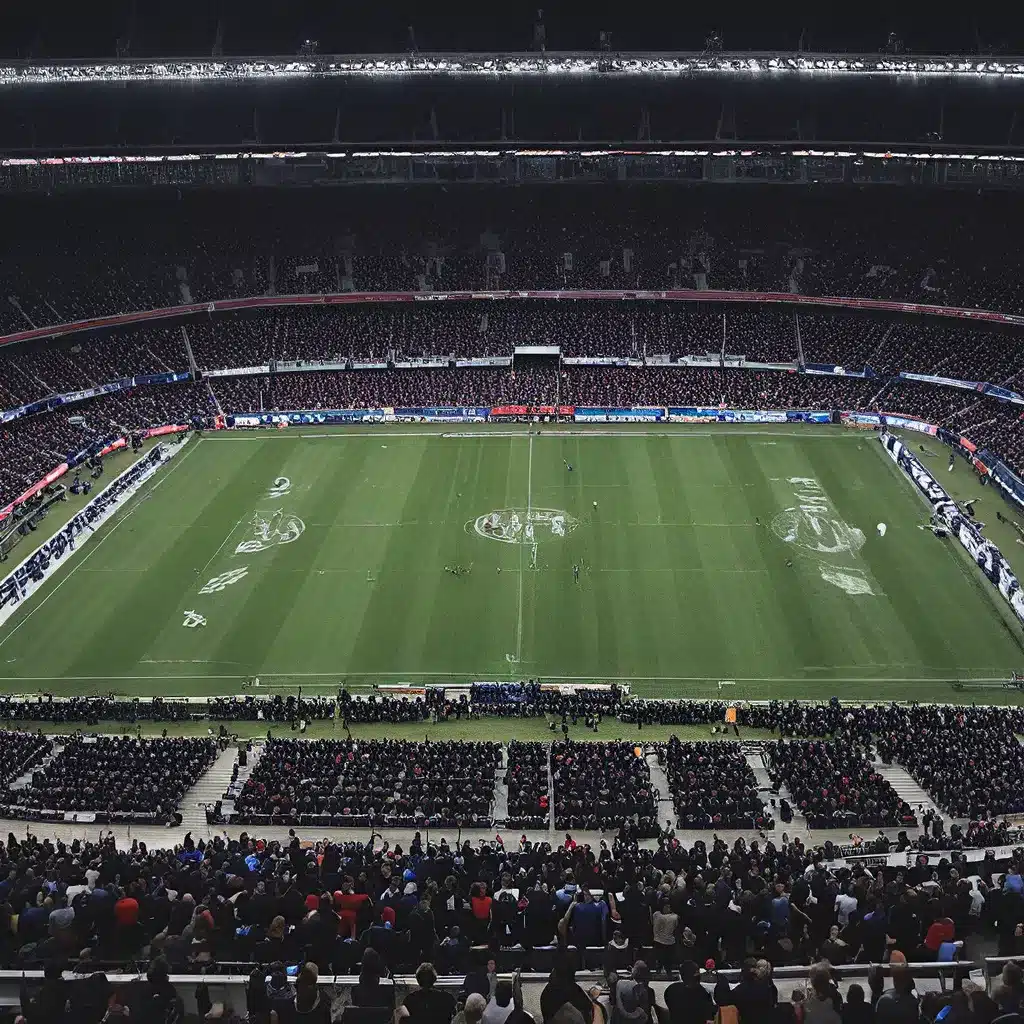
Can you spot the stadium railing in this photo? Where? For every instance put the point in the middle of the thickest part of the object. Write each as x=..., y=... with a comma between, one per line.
x=230, y=988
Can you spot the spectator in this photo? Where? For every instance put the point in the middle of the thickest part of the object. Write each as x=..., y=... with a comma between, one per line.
x=427, y=1004
x=898, y=1005
x=857, y=1010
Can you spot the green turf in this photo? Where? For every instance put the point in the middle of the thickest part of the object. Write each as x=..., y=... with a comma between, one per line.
x=681, y=588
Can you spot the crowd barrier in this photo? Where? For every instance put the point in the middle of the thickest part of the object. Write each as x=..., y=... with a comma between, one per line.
x=33, y=572
x=226, y=982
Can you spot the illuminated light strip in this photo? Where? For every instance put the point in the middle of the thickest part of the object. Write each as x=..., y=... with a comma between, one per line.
x=495, y=154
x=495, y=65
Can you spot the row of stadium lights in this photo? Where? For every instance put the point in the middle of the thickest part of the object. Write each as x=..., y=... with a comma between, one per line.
x=58, y=161
x=528, y=65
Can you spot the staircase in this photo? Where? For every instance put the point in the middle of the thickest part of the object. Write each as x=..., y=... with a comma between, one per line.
x=752, y=753
x=232, y=790
x=209, y=788
x=499, y=809
x=907, y=789
x=551, y=795
x=23, y=780
x=659, y=780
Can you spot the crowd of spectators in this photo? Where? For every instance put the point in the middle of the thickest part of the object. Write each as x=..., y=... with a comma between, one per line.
x=713, y=786
x=72, y=261
x=254, y=906
x=528, y=782
x=835, y=785
x=603, y=786
x=968, y=759
x=19, y=751
x=32, y=446
x=120, y=778
x=371, y=782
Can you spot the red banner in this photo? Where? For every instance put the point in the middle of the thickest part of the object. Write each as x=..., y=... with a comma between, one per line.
x=533, y=410
x=54, y=474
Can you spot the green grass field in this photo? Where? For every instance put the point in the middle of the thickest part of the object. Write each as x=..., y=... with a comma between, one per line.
x=685, y=582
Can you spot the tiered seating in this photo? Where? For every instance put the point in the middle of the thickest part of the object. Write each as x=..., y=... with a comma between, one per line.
x=968, y=759
x=19, y=751
x=375, y=782
x=835, y=786
x=527, y=781
x=602, y=786
x=712, y=786
x=143, y=779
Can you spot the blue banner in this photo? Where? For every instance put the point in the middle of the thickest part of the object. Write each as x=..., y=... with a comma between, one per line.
x=1009, y=483
x=160, y=378
x=707, y=415
x=270, y=419
x=642, y=414
x=445, y=413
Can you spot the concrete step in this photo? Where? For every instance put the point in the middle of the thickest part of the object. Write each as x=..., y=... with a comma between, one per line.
x=499, y=806
x=209, y=788
x=756, y=762
x=23, y=780
x=907, y=789
x=232, y=790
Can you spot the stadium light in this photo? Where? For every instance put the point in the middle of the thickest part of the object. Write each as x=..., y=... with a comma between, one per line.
x=412, y=65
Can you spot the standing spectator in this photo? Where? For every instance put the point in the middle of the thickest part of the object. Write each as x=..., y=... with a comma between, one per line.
x=857, y=1010
x=664, y=924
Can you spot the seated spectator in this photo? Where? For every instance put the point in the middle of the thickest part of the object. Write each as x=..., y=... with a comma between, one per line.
x=116, y=774
x=602, y=785
x=368, y=990
x=427, y=1004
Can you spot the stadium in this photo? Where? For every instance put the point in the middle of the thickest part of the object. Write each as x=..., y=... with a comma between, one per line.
x=526, y=528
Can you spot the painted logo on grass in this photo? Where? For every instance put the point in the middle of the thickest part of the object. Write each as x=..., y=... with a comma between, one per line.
x=813, y=525
x=270, y=529
x=519, y=526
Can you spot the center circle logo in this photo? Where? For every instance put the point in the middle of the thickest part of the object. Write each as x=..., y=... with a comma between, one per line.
x=817, y=533
x=523, y=526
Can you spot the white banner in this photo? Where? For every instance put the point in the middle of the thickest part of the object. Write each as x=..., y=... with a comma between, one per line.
x=34, y=571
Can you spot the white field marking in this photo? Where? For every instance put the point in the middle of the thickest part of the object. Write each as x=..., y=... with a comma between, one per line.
x=529, y=510
x=220, y=547
x=593, y=677
x=135, y=507
x=505, y=434
x=521, y=570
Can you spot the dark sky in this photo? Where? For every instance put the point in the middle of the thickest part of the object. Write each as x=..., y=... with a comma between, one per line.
x=189, y=27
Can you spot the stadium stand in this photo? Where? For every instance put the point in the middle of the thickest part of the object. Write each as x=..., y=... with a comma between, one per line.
x=964, y=757
x=527, y=780
x=19, y=751
x=141, y=779
x=835, y=786
x=375, y=782
x=712, y=786
x=602, y=786
x=949, y=249
x=263, y=902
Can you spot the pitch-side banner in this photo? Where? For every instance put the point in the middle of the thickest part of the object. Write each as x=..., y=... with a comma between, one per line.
x=635, y=415
x=985, y=554
x=28, y=577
